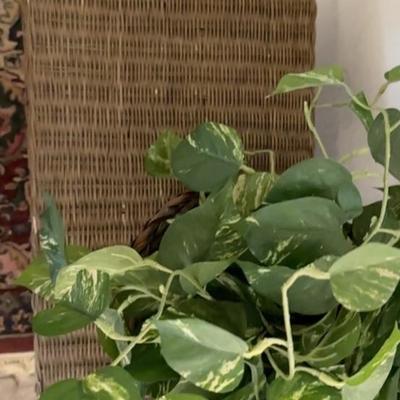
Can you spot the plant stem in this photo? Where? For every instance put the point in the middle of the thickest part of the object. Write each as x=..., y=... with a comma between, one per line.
x=130, y=300
x=378, y=225
x=254, y=379
x=313, y=129
x=334, y=105
x=381, y=91
x=247, y=170
x=355, y=99
x=363, y=174
x=271, y=154
x=323, y=377
x=264, y=345
x=274, y=365
x=356, y=153
x=165, y=294
x=130, y=347
x=311, y=272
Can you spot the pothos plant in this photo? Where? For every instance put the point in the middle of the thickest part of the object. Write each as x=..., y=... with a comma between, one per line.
x=274, y=287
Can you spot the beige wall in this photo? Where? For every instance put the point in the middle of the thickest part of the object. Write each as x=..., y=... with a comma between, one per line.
x=364, y=37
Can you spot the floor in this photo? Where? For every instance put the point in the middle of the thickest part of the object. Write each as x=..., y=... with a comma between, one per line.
x=17, y=376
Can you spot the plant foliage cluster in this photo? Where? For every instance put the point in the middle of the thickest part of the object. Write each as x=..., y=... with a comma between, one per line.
x=277, y=287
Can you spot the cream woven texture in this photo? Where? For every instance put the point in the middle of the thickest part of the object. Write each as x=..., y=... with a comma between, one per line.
x=106, y=76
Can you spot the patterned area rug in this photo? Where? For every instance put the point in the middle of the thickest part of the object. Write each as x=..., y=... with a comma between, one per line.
x=15, y=313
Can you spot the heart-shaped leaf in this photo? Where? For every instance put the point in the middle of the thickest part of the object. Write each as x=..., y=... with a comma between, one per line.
x=320, y=178
x=36, y=277
x=365, y=278
x=68, y=389
x=205, y=233
x=116, y=261
x=319, y=77
x=366, y=384
x=59, y=320
x=362, y=113
x=295, y=232
x=189, y=237
x=208, y=158
x=250, y=191
x=376, y=141
x=338, y=343
x=109, y=383
x=393, y=75
x=204, y=354
x=51, y=235
x=268, y=282
x=302, y=386
x=202, y=273
x=158, y=158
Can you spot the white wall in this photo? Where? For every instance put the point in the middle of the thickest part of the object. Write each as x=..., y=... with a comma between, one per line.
x=364, y=37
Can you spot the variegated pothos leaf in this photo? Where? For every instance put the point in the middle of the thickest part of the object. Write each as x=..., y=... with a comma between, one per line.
x=366, y=383
x=365, y=278
x=204, y=354
x=208, y=158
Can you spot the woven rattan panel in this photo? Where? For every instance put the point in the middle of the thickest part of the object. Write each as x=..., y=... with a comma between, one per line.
x=106, y=76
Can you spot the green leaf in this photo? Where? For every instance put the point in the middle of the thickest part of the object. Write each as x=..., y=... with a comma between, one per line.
x=362, y=225
x=376, y=141
x=364, y=115
x=366, y=383
x=74, y=253
x=320, y=178
x=111, y=324
x=338, y=343
x=313, y=334
x=268, y=282
x=90, y=294
x=114, y=261
x=227, y=242
x=319, y=77
x=295, y=232
x=204, y=354
x=244, y=393
x=208, y=158
x=64, y=390
x=365, y=278
x=59, y=320
x=148, y=365
x=36, y=277
x=391, y=387
x=302, y=387
x=250, y=191
x=393, y=75
x=202, y=273
x=109, y=383
x=51, y=236
x=228, y=315
x=394, y=201
x=158, y=158
x=112, y=383
x=182, y=396
x=189, y=237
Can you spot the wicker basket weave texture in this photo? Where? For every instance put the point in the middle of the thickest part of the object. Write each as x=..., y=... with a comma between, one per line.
x=106, y=76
